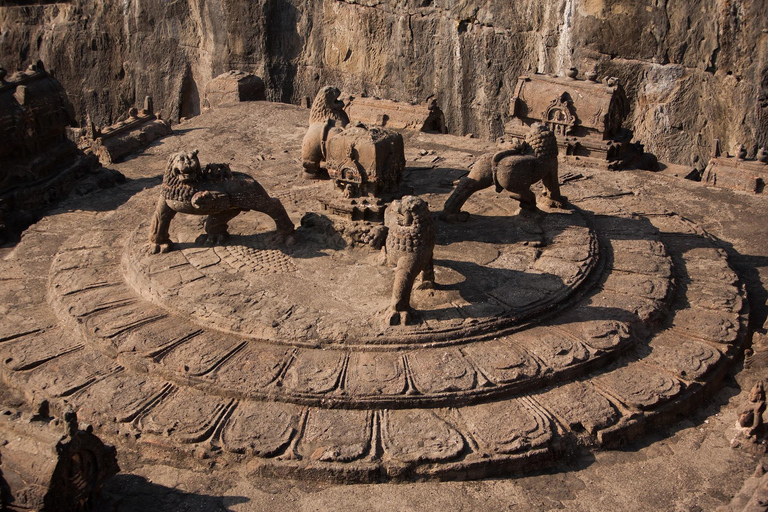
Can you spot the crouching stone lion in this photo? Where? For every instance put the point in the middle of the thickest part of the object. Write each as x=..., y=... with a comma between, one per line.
x=409, y=247
x=326, y=119
x=214, y=191
x=513, y=170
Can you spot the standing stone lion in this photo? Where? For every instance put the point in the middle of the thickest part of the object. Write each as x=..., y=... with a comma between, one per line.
x=513, y=170
x=409, y=246
x=326, y=118
x=214, y=191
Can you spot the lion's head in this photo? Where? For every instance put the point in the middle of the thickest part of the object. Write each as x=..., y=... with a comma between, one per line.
x=184, y=167
x=410, y=225
x=407, y=211
x=542, y=140
x=328, y=106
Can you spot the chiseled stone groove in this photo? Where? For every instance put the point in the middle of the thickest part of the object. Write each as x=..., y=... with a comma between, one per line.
x=63, y=375
x=29, y=352
x=184, y=415
x=120, y=397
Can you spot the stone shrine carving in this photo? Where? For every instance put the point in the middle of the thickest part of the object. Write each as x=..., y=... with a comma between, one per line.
x=39, y=163
x=400, y=115
x=409, y=247
x=513, y=170
x=365, y=162
x=49, y=464
x=112, y=143
x=585, y=115
x=737, y=172
x=214, y=191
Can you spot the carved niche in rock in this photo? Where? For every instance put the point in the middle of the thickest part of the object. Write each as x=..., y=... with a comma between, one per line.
x=232, y=87
x=214, y=191
x=513, y=170
x=409, y=247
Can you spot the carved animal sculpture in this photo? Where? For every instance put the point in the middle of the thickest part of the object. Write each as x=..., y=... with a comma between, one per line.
x=214, y=191
x=513, y=170
x=326, y=118
x=409, y=247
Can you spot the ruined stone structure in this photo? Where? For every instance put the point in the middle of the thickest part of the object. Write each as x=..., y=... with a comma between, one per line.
x=610, y=319
x=514, y=171
x=39, y=163
x=51, y=465
x=425, y=117
x=112, y=143
x=409, y=248
x=232, y=87
x=735, y=171
x=529, y=342
x=214, y=191
x=585, y=115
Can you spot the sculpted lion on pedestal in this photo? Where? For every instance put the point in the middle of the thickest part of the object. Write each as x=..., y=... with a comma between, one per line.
x=513, y=170
x=214, y=191
x=326, y=119
x=409, y=246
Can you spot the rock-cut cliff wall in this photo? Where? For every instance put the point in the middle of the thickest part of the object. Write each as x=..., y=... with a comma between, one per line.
x=694, y=70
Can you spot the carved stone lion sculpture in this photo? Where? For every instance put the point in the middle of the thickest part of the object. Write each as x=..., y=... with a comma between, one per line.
x=326, y=118
x=214, y=191
x=513, y=170
x=409, y=246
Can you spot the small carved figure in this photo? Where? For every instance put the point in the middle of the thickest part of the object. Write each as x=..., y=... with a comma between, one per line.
x=409, y=246
x=214, y=191
x=513, y=170
x=762, y=155
x=326, y=118
x=751, y=415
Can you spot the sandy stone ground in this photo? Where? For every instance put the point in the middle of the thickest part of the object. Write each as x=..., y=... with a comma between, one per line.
x=687, y=466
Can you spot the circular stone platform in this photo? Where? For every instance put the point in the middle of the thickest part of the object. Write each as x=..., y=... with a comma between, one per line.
x=497, y=275
x=586, y=329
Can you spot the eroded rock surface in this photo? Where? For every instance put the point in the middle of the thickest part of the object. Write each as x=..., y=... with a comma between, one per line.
x=694, y=71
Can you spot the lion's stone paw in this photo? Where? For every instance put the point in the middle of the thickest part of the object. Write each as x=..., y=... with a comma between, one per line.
x=560, y=203
x=425, y=284
x=212, y=240
x=158, y=248
x=394, y=317
x=290, y=239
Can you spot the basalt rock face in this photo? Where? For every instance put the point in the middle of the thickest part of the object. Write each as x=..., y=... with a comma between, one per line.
x=694, y=71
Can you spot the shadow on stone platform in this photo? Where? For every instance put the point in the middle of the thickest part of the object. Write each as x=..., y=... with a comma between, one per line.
x=133, y=493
